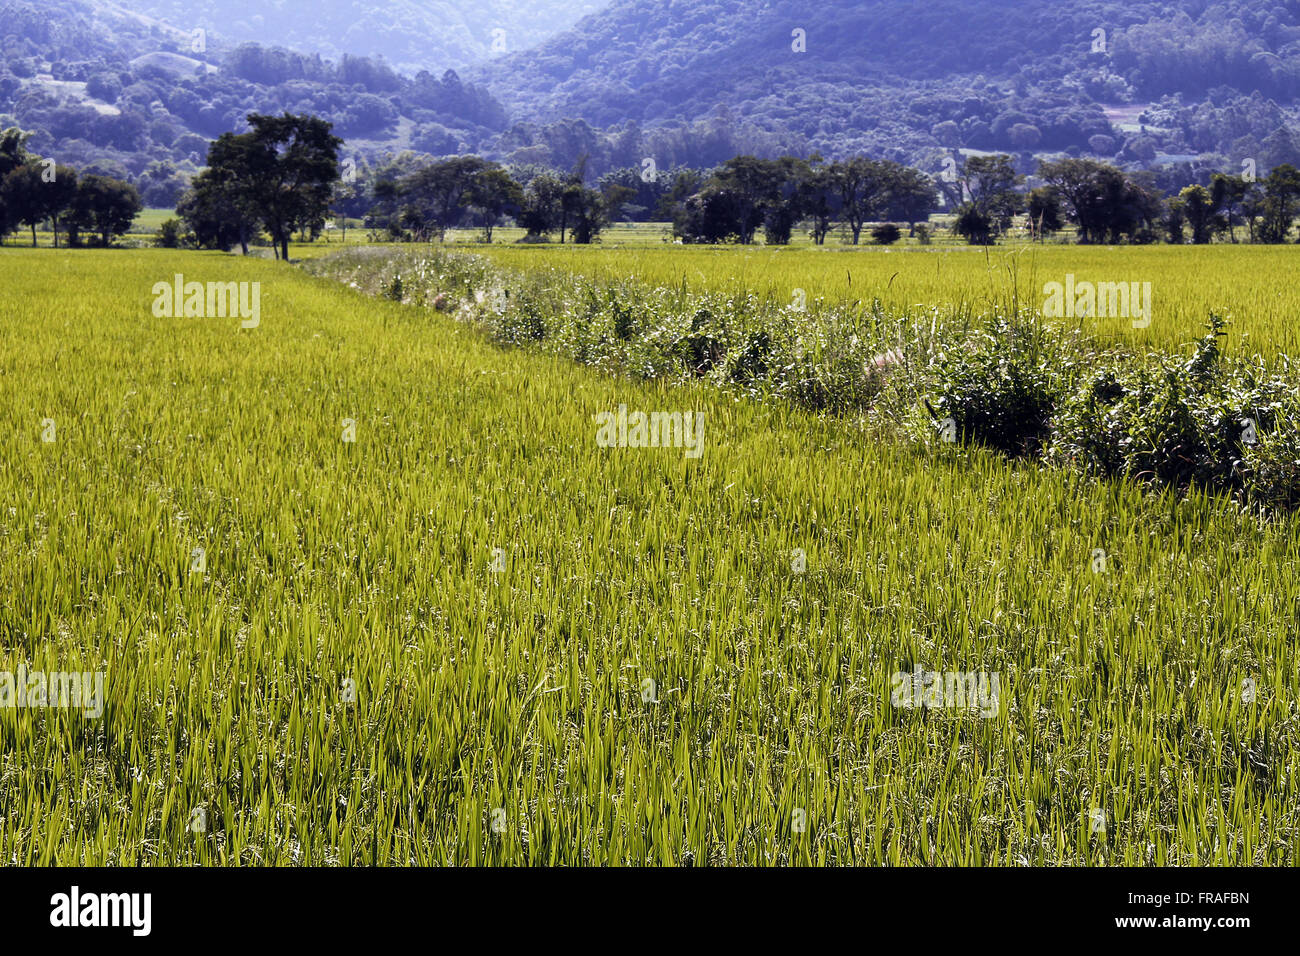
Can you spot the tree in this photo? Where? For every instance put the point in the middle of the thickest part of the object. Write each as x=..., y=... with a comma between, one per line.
x=819, y=199
x=635, y=191
x=1024, y=136
x=107, y=206
x=26, y=197
x=990, y=182
x=1252, y=209
x=584, y=208
x=1044, y=206
x=1202, y=213
x=1175, y=221
x=295, y=163
x=973, y=225
x=494, y=194
x=683, y=184
x=347, y=200
x=60, y=190
x=168, y=235
x=438, y=195
x=910, y=195
x=785, y=206
x=1281, y=192
x=34, y=191
x=709, y=216
x=861, y=184
x=282, y=171
x=13, y=150
x=1230, y=195
x=1076, y=182
x=219, y=209
x=162, y=184
x=1101, y=200
x=542, y=206
x=752, y=184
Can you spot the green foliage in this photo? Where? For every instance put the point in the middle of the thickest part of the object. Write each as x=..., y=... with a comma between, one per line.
x=280, y=174
x=170, y=234
x=886, y=234
x=1179, y=423
x=999, y=388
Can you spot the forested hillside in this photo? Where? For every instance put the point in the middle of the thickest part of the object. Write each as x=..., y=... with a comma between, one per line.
x=111, y=92
x=1184, y=86
x=413, y=35
x=896, y=77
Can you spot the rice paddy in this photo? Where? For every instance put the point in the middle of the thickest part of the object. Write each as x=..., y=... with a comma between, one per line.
x=365, y=589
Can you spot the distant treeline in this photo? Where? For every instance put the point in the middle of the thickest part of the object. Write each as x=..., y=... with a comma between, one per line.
x=986, y=196
x=35, y=190
x=285, y=176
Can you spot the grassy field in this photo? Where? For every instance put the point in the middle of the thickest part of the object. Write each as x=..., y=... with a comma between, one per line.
x=1187, y=282
x=669, y=660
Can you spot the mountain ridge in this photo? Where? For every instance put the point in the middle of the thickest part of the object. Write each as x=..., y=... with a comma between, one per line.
x=925, y=64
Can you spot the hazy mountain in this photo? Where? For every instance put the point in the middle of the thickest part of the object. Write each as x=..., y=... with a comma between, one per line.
x=118, y=92
x=904, y=76
x=412, y=35
x=684, y=82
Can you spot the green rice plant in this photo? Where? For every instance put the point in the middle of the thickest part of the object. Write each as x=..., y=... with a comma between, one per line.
x=471, y=635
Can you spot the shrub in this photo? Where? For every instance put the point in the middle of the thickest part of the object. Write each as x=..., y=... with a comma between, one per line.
x=1185, y=423
x=886, y=234
x=998, y=389
x=168, y=235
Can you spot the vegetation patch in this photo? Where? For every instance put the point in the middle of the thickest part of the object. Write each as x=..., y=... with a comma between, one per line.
x=1009, y=382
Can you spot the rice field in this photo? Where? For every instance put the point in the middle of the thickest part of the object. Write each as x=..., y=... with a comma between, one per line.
x=365, y=588
x=1247, y=283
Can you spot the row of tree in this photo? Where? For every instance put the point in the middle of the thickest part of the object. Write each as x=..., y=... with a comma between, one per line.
x=284, y=176
x=746, y=194
x=35, y=190
x=1105, y=204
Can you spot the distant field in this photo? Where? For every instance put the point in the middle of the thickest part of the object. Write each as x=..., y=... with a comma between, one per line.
x=1186, y=281
x=645, y=672
x=149, y=220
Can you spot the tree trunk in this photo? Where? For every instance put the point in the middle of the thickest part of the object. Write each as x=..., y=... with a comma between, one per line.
x=33, y=235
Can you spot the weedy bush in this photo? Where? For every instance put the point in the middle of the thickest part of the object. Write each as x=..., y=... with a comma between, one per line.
x=886, y=234
x=1000, y=387
x=393, y=288
x=1229, y=428
x=1013, y=384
